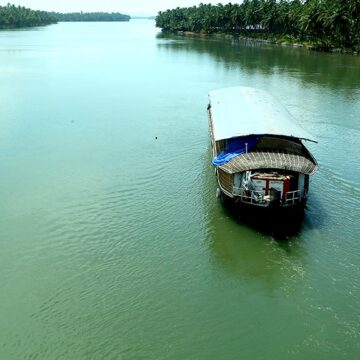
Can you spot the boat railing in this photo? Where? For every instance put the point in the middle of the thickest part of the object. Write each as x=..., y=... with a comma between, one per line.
x=292, y=197
x=257, y=197
x=254, y=197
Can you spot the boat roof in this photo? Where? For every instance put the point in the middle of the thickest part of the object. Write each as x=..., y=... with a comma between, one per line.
x=255, y=160
x=242, y=111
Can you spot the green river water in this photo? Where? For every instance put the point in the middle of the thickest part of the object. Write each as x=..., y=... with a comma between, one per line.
x=112, y=243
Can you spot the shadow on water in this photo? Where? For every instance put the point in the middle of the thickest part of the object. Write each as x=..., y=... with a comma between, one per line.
x=280, y=226
x=334, y=71
x=266, y=254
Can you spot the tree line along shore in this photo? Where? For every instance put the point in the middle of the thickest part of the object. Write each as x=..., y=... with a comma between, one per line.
x=12, y=16
x=325, y=24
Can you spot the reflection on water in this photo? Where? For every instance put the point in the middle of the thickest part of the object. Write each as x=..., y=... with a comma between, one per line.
x=330, y=70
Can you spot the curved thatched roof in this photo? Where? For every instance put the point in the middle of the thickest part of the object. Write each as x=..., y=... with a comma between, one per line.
x=270, y=160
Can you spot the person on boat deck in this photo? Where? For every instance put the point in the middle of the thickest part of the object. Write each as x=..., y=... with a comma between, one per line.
x=248, y=184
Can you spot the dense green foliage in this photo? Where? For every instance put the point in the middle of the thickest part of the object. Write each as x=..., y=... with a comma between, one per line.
x=96, y=16
x=327, y=22
x=12, y=16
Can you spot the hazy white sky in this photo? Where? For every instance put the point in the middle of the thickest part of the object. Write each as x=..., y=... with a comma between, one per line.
x=131, y=7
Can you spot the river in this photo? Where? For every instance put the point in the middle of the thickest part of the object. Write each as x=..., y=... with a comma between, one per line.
x=112, y=242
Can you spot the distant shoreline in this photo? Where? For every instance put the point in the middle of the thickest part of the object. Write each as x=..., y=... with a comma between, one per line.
x=17, y=17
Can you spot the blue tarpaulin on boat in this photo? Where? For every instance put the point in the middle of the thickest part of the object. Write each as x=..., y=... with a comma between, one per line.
x=234, y=147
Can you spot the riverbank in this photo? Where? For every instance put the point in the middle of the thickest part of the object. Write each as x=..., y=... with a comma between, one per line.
x=289, y=41
x=273, y=40
x=324, y=25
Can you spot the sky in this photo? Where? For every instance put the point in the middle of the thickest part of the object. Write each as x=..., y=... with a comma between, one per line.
x=130, y=7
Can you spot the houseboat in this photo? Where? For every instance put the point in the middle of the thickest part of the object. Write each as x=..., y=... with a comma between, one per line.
x=258, y=152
